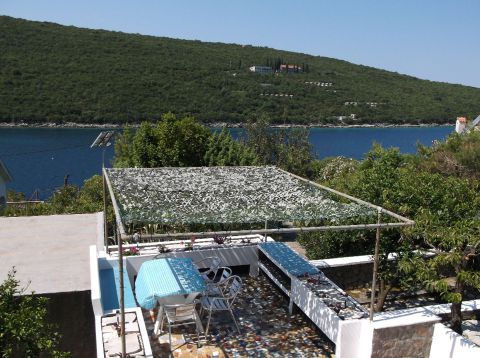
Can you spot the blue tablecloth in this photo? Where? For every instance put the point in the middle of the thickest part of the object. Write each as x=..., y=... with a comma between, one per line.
x=284, y=256
x=166, y=277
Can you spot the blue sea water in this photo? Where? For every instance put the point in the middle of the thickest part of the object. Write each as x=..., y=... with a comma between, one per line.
x=39, y=158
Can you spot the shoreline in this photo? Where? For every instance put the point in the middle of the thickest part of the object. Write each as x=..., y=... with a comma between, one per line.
x=73, y=125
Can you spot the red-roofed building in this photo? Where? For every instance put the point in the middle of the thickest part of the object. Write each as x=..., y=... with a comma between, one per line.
x=290, y=68
x=460, y=124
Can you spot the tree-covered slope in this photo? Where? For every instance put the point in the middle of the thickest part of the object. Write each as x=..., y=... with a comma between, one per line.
x=54, y=73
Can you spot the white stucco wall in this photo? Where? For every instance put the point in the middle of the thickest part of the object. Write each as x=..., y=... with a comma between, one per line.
x=231, y=256
x=313, y=306
x=448, y=344
x=354, y=339
x=95, y=292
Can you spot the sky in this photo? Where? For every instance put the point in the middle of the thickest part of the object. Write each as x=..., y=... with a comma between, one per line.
x=438, y=40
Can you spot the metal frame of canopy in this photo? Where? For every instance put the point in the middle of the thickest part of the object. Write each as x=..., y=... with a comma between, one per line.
x=186, y=215
x=402, y=222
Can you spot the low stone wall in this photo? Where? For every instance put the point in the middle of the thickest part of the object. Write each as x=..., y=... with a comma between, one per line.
x=350, y=277
x=404, y=341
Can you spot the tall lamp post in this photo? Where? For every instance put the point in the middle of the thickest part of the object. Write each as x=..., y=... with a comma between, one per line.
x=103, y=141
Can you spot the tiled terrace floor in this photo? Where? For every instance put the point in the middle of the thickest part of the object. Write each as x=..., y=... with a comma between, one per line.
x=267, y=329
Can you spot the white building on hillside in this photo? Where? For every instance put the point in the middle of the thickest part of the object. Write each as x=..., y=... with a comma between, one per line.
x=261, y=69
x=464, y=126
x=460, y=124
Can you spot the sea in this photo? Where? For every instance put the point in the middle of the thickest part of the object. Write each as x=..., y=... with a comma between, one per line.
x=40, y=159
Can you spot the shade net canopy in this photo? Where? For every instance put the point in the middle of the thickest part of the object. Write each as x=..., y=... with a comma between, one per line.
x=223, y=195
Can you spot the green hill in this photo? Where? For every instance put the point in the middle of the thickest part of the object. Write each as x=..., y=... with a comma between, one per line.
x=54, y=73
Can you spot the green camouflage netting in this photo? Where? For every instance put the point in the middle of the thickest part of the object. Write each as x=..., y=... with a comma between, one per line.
x=224, y=195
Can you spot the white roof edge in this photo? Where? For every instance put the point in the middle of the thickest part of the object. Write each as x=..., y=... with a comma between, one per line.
x=346, y=261
x=356, y=260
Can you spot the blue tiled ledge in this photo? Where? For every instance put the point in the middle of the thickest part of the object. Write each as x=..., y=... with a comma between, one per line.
x=288, y=259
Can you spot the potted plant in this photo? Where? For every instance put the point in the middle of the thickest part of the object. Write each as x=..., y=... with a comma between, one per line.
x=163, y=249
x=220, y=240
x=132, y=251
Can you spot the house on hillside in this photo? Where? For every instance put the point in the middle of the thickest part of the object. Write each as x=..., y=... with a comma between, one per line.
x=462, y=126
x=5, y=177
x=261, y=69
x=290, y=68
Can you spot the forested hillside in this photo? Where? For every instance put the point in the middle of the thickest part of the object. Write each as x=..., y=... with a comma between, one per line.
x=54, y=73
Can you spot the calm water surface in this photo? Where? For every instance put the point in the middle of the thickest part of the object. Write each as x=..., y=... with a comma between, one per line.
x=39, y=158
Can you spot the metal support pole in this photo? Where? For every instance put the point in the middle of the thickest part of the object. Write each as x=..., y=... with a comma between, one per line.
x=116, y=209
x=178, y=235
x=375, y=264
x=105, y=225
x=122, y=296
x=266, y=227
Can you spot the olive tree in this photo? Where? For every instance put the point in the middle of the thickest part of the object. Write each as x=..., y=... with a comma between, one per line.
x=454, y=268
x=446, y=210
x=24, y=331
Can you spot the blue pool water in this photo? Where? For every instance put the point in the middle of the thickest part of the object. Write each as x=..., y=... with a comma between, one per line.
x=109, y=287
x=39, y=158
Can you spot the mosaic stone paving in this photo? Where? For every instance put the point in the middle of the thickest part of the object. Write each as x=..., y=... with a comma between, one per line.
x=267, y=330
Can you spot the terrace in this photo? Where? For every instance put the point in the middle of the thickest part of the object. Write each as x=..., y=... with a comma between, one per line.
x=286, y=305
x=270, y=323
x=267, y=329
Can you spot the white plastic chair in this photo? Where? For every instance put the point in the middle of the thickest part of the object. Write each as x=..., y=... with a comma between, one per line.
x=233, y=285
x=181, y=315
x=214, y=264
x=217, y=287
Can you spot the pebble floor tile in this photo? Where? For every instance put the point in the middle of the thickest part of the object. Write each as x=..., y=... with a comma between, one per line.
x=267, y=330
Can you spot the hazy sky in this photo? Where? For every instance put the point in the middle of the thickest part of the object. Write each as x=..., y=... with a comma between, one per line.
x=432, y=39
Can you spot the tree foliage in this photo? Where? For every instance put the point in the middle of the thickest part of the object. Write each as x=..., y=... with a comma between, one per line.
x=223, y=150
x=459, y=156
x=53, y=73
x=445, y=206
x=24, y=331
x=68, y=199
x=289, y=149
x=173, y=142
